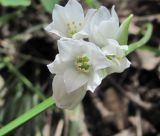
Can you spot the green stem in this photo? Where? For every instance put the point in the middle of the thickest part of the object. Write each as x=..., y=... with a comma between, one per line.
x=143, y=41
x=27, y=116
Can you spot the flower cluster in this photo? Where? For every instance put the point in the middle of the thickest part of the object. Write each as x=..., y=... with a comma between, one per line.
x=89, y=48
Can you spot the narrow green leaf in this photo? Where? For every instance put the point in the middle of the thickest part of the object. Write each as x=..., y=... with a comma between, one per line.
x=15, y=3
x=27, y=116
x=92, y=3
x=49, y=4
x=123, y=33
x=143, y=40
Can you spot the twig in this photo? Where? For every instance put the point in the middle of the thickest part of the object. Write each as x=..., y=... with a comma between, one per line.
x=148, y=17
x=132, y=97
x=126, y=132
x=59, y=128
x=101, y=108
x=47, y=126
x=139, y=123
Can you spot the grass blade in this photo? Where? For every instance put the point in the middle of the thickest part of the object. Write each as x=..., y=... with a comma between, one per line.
x=27, y=116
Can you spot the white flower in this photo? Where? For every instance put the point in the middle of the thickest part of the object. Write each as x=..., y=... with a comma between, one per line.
x=103, y=25
x=69, y=20
x=116, y=54
x=77, y=67
x=104, y=31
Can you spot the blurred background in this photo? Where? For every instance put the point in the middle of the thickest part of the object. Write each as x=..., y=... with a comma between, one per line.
x=125, y=104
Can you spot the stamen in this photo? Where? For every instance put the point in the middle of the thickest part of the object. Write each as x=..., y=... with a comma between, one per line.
x=80, y=24
x=73, y=28
x=82, y=64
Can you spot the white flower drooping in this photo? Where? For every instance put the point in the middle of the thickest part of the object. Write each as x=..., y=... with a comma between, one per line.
x=78, y=68
x=116, y=55
x=69, y=20
x=104, y=30
x=103, y=25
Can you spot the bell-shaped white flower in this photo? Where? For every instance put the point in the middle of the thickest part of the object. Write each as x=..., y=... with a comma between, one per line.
x=103, y=25
x=69, y=20
x=116, y=54
x=78, y=68
x=62, y=97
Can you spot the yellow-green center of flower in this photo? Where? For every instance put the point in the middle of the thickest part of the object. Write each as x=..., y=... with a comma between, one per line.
x=82, y=64
x=73, y=28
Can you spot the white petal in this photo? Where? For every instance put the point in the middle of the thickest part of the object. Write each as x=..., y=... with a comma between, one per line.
x=125, y=63
x=94, y=82
x=122, y=49
x=84, y=33
x=108, y=29
x=103, y=26
x=66, y=49
x=101, y=15
x=52, y=29
x=57, y=66
x=114, y=15
x=59, y=19
x=71, y=48
x=80, y=35
x=88, y=17
x=74, y=79
x=119, y=66
x=96, y=37
x=62, y=97
x=74, y=11
x=87, y=20
x=110, y=47
x=98, y=59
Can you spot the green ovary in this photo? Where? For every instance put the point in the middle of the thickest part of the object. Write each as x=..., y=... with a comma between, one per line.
x=82, y=64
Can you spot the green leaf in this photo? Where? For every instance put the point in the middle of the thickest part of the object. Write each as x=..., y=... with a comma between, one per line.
x=49, y=4
x=27, y=116
x=123, y=34
x=15, y=3
x=92, y=3
x=147, y=35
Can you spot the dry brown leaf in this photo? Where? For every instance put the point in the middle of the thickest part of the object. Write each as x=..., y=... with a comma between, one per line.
x=148, y=60
x=115, y=104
